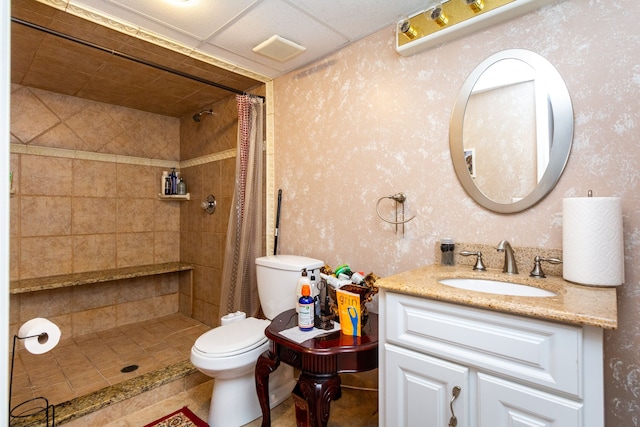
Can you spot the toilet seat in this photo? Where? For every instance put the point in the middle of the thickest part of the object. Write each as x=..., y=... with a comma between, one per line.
x=234, y=338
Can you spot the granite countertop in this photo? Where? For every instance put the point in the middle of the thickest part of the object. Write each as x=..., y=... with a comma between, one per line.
x=77, y=279
x=573, y=303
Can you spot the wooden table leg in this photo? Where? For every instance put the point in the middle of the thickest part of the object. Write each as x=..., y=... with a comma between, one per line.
x=319, y=391
x=267, y=363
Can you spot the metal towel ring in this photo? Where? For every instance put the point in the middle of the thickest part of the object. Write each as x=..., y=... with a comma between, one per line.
x=398, y=198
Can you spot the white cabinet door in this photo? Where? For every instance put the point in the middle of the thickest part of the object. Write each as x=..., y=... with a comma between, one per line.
x=502, y=403
x=419, y=390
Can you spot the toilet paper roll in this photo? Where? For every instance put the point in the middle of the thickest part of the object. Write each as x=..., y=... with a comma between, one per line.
x=592, y=241
x=43, y=335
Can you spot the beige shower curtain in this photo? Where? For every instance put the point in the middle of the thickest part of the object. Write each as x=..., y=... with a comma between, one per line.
x=244, y=232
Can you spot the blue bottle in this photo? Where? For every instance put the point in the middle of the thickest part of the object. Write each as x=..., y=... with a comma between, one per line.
x=306, y=312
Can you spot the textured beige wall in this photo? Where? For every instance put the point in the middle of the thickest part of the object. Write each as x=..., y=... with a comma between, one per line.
x=365, y=123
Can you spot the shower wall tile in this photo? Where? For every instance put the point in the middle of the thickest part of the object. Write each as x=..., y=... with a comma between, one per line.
x=212, y=249
x=136, y=181
x=98, y=295
x=135, y=215
x=45, y=216
x=204, y=311
x=45, y=176
x=63, y=106
x=89, y=321
x=135, y=289
x=167, y=284
x=94, y=252
x=137, y=311
x=165, y=304
x=134, y=249
x=190, y=246
x=94, y=126
x=167, y=215
x=167, y=246
x=58, y=136
x=194, y=218
x=14, y=259
x=204, y=289
x=227, y=177
x=30, y=117
x=14, y=309
x=45, y=256
x=94, y=179
x=45, y=304
x=94, y=215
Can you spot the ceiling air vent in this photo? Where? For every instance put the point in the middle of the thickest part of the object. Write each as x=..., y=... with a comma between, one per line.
x=279, y=48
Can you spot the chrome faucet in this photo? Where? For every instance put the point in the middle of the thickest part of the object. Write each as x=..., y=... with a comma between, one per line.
x=509, y=258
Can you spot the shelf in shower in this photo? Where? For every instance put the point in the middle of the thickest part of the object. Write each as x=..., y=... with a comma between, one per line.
x=86, y=278
x=175, y=197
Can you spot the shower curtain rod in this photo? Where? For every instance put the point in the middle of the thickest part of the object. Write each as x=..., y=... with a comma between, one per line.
x=129, y=57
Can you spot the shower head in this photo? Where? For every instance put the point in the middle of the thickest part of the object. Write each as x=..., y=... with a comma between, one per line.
x=198, y=117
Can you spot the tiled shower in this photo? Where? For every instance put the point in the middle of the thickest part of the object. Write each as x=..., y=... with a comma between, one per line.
x=86, y=177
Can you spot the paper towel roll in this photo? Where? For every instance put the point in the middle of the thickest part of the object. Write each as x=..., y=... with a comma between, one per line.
x=592, y=241
x=37, y=343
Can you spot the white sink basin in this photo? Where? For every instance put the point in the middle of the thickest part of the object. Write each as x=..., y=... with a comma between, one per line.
x=495, y=287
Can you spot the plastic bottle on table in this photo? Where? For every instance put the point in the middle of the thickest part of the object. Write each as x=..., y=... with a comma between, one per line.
x=303, y=280
x=305, y=310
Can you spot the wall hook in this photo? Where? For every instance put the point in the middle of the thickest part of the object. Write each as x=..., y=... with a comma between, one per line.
x=398, y=198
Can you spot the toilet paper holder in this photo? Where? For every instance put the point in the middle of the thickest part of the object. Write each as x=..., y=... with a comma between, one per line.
x=35, y=410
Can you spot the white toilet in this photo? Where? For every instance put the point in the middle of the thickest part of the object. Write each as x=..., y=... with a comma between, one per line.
x=229, y=353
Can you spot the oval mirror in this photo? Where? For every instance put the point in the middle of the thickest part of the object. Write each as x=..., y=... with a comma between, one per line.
x=511, y=131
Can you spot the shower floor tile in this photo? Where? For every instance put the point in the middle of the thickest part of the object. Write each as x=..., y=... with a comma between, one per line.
x=87, y=363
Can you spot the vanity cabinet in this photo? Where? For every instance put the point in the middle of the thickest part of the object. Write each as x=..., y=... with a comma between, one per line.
x=511, y=370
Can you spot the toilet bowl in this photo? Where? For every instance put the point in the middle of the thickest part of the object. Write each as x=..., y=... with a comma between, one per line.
x=229, y=352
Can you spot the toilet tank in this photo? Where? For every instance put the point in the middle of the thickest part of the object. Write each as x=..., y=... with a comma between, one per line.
x=278, y=276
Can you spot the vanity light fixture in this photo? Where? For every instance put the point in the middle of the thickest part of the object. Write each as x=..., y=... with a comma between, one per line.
x=475, y=5
x=405, y=27
x=438, y=16
x=445, y=20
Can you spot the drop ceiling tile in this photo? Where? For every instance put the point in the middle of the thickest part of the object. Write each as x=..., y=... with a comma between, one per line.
x=265, y=20
x=358, y=18
x=186, y=22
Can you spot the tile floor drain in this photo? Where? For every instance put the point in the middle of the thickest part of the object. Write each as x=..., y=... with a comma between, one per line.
x=129, y=368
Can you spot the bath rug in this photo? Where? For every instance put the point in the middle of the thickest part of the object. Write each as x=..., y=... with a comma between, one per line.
x=180, y=418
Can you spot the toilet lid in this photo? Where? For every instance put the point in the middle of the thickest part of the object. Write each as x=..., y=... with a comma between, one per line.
x=233, y=338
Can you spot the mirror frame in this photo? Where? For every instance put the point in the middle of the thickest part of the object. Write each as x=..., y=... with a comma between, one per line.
x=562, y=136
